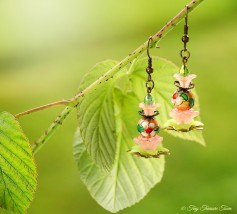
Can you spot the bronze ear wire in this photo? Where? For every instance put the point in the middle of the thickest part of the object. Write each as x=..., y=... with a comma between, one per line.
x=149, y=83
x=184, y=53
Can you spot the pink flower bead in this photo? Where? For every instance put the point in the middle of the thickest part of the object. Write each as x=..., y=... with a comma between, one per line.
x=183, y=117
x=148, y=143
x=149, y=109
x=184, y=81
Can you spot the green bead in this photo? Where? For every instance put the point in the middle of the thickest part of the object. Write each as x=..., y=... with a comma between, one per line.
x=184, y=71
x=148, y=100
x=140, y=128
x=191, y=102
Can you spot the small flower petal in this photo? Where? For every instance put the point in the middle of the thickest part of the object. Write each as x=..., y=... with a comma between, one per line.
x=183, y=117
x=149, y=109
x=184, y=81
x=148, y=143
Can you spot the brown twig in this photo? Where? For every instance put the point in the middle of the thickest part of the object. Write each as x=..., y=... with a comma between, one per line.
x=61, y=102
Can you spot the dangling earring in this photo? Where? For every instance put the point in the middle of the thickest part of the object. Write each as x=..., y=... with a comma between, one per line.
x=183, y=99
x=148, y=142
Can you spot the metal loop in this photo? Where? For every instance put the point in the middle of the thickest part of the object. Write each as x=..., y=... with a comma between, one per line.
x=185, y=60
x=151, y=86
x=184, y=53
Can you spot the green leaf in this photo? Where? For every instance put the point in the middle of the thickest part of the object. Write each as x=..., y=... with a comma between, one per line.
x=131, y=177
x=96, y=117
x=163, y=91
x=17, y=168
x=4, y=211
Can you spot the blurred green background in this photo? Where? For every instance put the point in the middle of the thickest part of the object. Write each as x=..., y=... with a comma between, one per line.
x=47, y=45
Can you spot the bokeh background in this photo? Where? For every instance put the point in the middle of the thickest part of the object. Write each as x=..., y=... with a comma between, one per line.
x=47, y=45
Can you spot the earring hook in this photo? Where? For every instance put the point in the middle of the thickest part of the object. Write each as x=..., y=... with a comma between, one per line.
x=184, y=53
x=149, y=83
x=186, y=16
x=149, y=68
x=148, y=47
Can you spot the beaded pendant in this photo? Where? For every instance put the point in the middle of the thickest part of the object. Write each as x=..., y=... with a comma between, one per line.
x=148, y=142
x=183, y=100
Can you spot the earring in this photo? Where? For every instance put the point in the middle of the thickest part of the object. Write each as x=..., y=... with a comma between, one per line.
x=148, y=142
x=183, y=99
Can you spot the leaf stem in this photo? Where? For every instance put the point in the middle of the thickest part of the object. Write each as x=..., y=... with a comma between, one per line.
x=61, y=102
x=72, y=103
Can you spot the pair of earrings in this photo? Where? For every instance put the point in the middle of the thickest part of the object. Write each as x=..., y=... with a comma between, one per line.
x=149, y=142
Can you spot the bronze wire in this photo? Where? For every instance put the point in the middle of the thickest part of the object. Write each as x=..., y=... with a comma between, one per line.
x=184, y=53
x=149, y=83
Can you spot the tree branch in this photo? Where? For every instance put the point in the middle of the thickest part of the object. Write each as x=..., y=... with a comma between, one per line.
x=72, y=103
x=61, y=102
